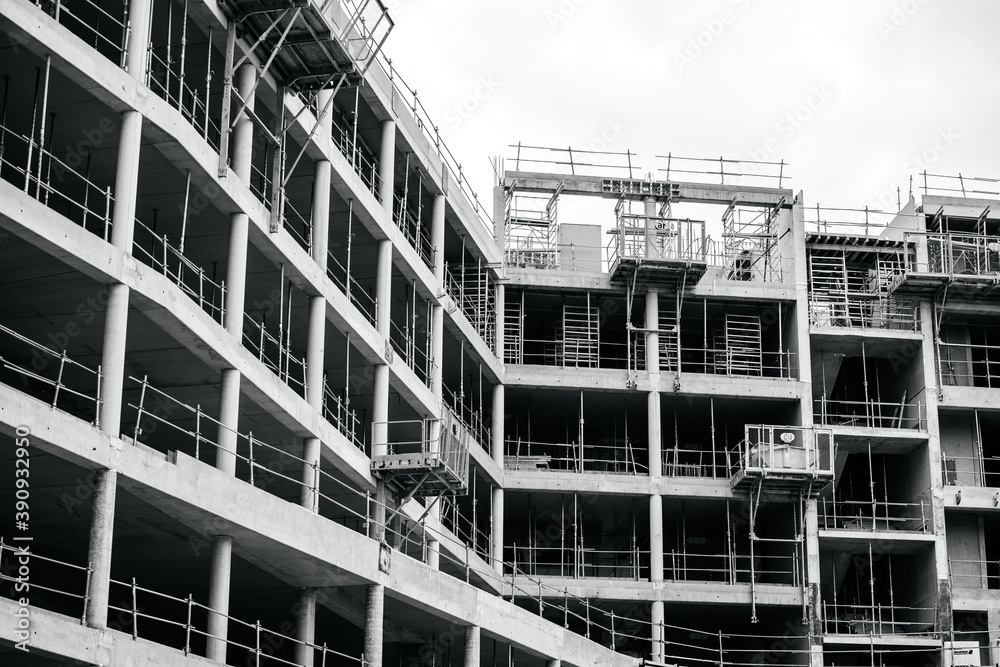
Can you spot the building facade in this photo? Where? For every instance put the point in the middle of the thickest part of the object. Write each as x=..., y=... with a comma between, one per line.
x=280, y=389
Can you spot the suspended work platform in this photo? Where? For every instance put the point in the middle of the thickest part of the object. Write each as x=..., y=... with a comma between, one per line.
x=657, y=249
x=427, y=457
x=967, y=264
x=784, y=460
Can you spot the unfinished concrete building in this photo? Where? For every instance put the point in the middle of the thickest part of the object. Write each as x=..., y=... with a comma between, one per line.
x=279, y=389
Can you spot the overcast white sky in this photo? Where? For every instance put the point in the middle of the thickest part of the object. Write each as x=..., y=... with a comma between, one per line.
x=855, y=94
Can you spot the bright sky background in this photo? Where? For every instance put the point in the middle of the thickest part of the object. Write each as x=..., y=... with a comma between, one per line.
x=855, y=95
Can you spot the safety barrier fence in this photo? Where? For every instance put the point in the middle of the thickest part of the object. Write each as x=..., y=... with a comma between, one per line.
x=696, y=463
x=471, y=417
x=523, y=454
x=964, y=186
x=355, y=291
x=275, y=353
x=156, y=251
x=864, y=312
x=27, y=165
x=581, y=562
x=106, y=33
x=405, y=342
x=736, y=172
x=178, y=622
x=408, y=221
x=878, y=619
x=297, y=225
x=338, y=412
x=474, y=291
x=178, y=90
x=974, y=574
x=968, y=365
x=733, y=568
x=871, y=414
x=980, y=470
x=51, y=376
x=825, y=220
x=362, y=159
x=875, y=515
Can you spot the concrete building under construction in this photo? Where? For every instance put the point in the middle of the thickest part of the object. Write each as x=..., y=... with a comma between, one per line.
x=278, y=388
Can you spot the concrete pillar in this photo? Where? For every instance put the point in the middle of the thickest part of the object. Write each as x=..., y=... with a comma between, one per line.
x=497, y=426
x=321, y=189
x=656, y=624
x=229, y=415
x=655, y=538
x=649, y=210
x=473, y=638
x=305, y=627
x=99, y=552
x=239, y=224
x=126, y=181
x=501, y=321
x=497, y=519
x=437, y=237
x=113, y=359
x=653, y=370
x=380, y=411
x=316, y=352
x=813, y=578
x=383, y=298
x=386, y=166
x=218, y=598
x=311, y=452
x=241, y=149
x=993, y=628
x=374, y=613
x=136, y=58
x=555, y=662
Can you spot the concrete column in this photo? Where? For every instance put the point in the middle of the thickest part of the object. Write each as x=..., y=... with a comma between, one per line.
x=653, y=370
x=437, y=353
x=437, y=237
x=555, y=662
x=374, y=618
x=136, y=58
x=99, y=552
x=433, y=545
x=218, y=598
x=229, y=415
x=321, y=190
x=473, y=638
x=383, y=298
x=655, y=538
x=113, y=359
x=501, y=320
x=992, y=627
x=656, y=624
x=380, y=411
x=497, y=520
x=497, y=427
x=311, y=452
x=383, y=286
x=241, y=148
x=813, y=579
x=305, y=627
x=126, y=181
x=386, y=166
x=316, y=352
x=649, y=210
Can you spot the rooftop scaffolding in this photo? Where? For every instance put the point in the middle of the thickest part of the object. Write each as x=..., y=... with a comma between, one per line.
x=968, y=263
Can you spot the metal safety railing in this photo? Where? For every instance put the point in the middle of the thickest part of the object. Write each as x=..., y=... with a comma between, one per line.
x=408, y=221
x=523, y=454
x=696, y=463
x=274, y=353
x=338, y=412
x=768, y=449
x=878, y=619
x=981, y=470
x=52, y=376
x=355, y=291
x=873, y=515
x=362, y=159
x=190, y=95
x=964, y=186
x=177, y=622
x=106, y=33
x=974, y=574
x=728, y=171
x=405, y=341
x=474, y=291
x=866, y=222
x=51, y=181
x=733, y=568
x=471, y=416
x=581, y=562
x=864, y=313
x=575, y=161
x=155, y=251
x=968, y=365
x=297, y=225
x=871, y=414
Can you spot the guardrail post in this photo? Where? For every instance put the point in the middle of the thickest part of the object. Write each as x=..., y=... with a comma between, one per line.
x=135, y=613
x=187, y=627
